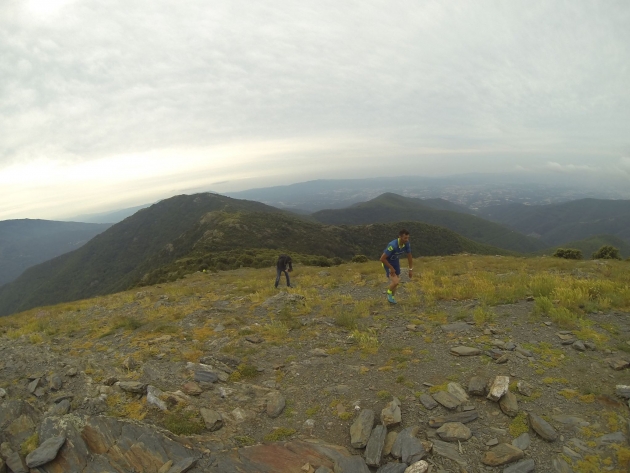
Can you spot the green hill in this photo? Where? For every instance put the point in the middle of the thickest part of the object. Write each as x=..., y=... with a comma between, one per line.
x=25, y=242
x=186, y=233
x=556, y=224
x=590, y=245
x=394, y=208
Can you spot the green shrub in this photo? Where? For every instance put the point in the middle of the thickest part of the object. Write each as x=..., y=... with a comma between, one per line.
x=568, y=253
x=360, y=259
x=607, y=252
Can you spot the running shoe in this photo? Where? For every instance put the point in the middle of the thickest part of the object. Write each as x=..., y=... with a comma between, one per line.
x=391, y=299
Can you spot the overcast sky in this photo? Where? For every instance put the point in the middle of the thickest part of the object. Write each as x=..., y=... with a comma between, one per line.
x=112, y=103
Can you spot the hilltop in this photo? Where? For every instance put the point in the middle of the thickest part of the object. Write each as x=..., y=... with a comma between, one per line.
x=185, y=233
x=588, y=246
x=392, y=208
x=220, y=372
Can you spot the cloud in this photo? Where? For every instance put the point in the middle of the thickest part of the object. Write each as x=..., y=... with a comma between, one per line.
x=567, y=168
x=353, y=84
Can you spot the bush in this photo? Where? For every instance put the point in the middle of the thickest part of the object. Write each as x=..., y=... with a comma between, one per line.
x=360, y=259
x=607, y=252
x=568, y=253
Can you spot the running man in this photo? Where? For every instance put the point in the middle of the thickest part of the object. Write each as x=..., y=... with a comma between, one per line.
x=391, y=262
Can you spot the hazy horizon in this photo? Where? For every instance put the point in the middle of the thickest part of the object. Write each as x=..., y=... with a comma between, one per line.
x=110, y=105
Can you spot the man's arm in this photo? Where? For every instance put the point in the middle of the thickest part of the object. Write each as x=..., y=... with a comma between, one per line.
x=410, y=259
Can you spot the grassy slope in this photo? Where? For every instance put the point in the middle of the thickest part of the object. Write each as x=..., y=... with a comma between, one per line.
x=569, y=221
x=394, y=208
x=193, y=227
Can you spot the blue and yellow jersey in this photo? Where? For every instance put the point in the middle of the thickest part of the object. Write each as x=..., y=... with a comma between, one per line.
x=394, y=250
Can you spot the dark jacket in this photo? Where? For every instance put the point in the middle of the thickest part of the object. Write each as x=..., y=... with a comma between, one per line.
x=284, y=263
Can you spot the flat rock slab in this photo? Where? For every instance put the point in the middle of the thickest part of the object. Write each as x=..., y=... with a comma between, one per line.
x=46, y=452
x=502, y=454
x=447, y=450
x=623, y=391
x=618, y=363
x=403, y=436
x=361, y=428
x=456, y=327
x=374, y=448
x=463, y=417
x=132, y=387
x=465, y=351
x=525, y=466
x=572, y=421
x=542, y=427
x=522, y=442
x=456, y=390
x=454, y=431
x=428, y=402
x=446, y=399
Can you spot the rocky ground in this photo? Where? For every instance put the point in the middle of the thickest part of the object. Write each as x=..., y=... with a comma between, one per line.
x=226, y=389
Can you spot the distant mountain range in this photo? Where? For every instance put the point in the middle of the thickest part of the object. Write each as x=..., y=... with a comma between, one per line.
x=25, y=242
x=389, y=208
x=556, y=224
x=186, y=232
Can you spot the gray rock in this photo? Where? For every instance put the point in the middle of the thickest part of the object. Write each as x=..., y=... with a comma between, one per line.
x=615, y=437
x=45, y=453
x=203, y=376
x=428, y=402
x=374, y=448
x=509, y=404
x=411, y=449
x=522, y=442
x=623, y=391
x=361, y=428
x=446, y=399
x=572, y=421
x=353, y=464
x=389, y=442
x=456, y=390
x=55, y=382
x=33, y=385
x=183, y=465
x=492, y=442
x=510, y=346
x=525, y=466
x=154, y=398
x=502, y=454
x=132, y=386
x=392, y=468
x=275, y=404
x=524, y=352
x=391, y=415
x=542, y=427
x=15, y=463
x=571, y=453
x=447, y=450
x=578, y=345
x=454, y=431
x=409, y=432
x=212, y=419
x=418, y=467
x=456, y=327
x=618, y=363
x=465, y=351
x=477, y=386
x=463, y=417
x=59, y=409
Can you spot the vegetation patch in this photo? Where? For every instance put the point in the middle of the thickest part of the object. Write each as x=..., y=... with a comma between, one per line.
x=280, y=433
x=183, y=422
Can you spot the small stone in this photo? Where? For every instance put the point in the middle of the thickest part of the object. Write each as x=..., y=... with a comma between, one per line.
x=418, y=467
x=509, y=404
x=477, y=386
x=319, y=352
x=55, y=382
x=492, y=442
x=499, y=387
x=524, y=388
x=275, y=404
x=465, y=351
x=456, y=390
x=212, y=419
x=129, y=364
x=3, y=393
x=72, y=372
x=192, y=389
x=254, y=339
x=579, y=346
x=622, y=391
x=132, y=387
x=219, y=328
x=391, y=414
x=204, y=376
x=618, y=364
x=154, y=397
